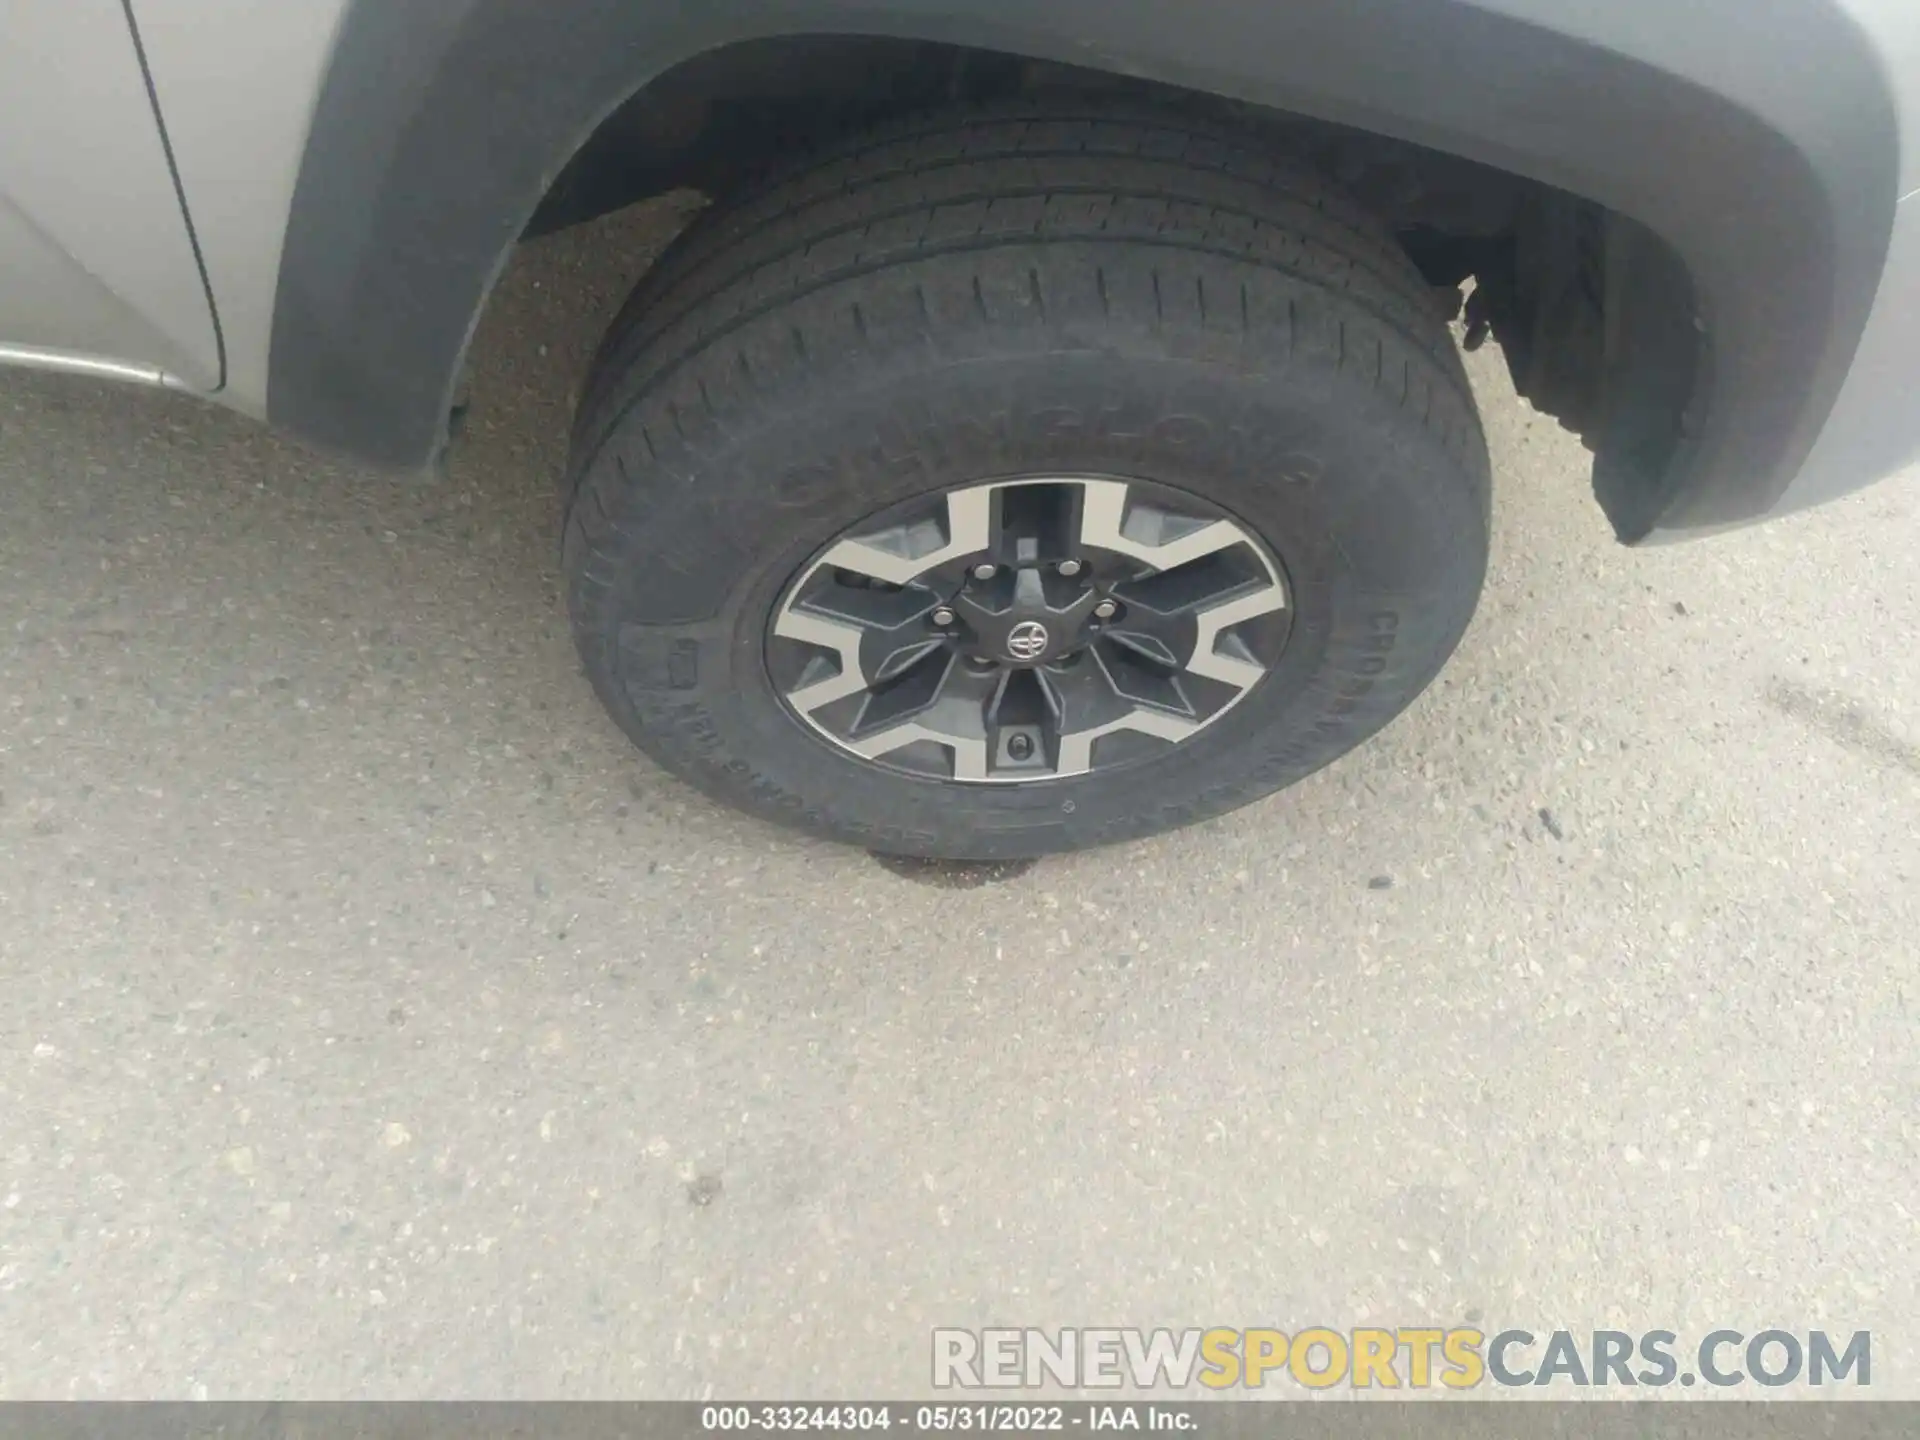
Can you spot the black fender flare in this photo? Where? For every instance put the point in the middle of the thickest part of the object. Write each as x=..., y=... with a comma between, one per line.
x=1762, y=148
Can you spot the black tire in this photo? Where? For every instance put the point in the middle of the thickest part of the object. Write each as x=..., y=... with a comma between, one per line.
x=1006, y=293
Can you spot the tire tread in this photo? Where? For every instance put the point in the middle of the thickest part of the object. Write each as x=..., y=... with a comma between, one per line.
x=944, y=236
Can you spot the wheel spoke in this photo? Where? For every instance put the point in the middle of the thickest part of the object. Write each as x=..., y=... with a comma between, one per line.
x=908, y=657
x=905, y=689
x=955, y=719
x=1163, y=639
x=1147, y=533
x=969, y=754
x=1087, y=696
x=1037, y=521
x=869, y=606
x=1076, y=749
x=1141, y=682
x=1191, y=610
x=1023, y=711
x=1144, y=643
x=842, y=640
x=1211, y=626
x=902, y=552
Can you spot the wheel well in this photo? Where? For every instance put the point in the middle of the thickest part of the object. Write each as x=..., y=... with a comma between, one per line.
x=1594, y=313
x=724, y=115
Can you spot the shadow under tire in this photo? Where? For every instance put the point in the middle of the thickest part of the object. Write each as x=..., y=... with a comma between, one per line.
x=1118, y=365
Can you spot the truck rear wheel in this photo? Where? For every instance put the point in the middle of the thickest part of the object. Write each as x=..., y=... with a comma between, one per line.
x=1013, y=482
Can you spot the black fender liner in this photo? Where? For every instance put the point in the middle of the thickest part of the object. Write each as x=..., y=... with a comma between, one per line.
x=1759, y=143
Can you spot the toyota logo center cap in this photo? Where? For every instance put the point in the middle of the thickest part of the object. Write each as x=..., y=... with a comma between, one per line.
x=1027, y=640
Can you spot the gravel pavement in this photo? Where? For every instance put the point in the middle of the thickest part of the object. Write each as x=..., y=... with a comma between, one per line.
x=378, y=1023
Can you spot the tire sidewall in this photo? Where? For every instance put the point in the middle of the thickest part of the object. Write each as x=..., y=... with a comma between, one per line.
x=1383, y=542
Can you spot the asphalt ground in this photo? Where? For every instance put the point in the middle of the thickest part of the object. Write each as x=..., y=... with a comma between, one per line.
x=377, y=1022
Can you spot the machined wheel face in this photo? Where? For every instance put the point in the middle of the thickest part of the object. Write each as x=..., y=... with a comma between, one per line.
x=1028, y=630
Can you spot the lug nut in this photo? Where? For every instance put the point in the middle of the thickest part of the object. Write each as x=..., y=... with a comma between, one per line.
x=1105, y=610
x=1069, y=568
x=1020, y=747
x=985, y=572
x=941, y=616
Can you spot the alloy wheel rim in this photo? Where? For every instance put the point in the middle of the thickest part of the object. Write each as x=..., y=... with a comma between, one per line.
x=1026, y=630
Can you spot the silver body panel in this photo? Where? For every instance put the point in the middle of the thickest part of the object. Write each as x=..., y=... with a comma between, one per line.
x=1874, y=428
x=96, y=265
x=237, y=112
x=98, y=270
